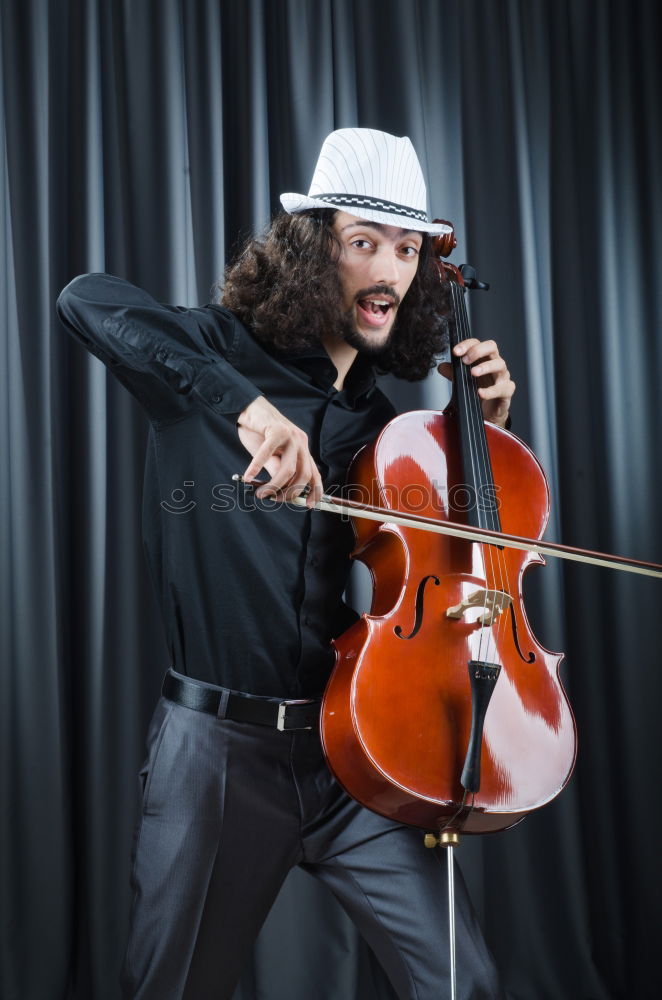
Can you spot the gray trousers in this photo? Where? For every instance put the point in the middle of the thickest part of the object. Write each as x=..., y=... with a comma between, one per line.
x=228, y=809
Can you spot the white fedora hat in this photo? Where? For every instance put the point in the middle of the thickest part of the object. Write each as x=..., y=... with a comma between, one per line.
x=370, y=174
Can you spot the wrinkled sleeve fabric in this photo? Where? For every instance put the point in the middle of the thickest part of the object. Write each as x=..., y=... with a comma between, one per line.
x=170, y=358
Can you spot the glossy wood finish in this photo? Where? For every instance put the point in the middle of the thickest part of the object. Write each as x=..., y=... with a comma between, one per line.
x=397, y=712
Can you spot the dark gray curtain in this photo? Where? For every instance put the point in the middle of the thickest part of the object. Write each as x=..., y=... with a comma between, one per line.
x=140, y=137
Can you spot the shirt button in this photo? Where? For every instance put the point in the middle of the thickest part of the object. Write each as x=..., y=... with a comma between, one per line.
x=161, y=354
x=314, y=560
x=306, y=619
x=217, y=397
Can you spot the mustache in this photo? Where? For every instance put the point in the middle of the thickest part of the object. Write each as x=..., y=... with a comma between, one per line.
x=365, y=293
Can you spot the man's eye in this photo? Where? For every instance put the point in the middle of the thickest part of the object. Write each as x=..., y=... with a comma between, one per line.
x=360, y=244
x=409, y=251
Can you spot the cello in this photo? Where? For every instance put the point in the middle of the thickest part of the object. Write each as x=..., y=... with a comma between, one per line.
x=443, y=711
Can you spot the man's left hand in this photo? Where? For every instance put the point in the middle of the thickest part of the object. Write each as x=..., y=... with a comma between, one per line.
x=495, y=386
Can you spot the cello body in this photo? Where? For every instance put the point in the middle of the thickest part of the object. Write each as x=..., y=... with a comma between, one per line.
x=397, y=712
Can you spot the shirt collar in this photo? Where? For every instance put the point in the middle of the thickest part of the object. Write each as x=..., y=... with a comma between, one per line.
x=317, y=363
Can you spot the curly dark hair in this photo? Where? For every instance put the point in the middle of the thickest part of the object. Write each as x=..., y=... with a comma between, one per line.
x=276, y=280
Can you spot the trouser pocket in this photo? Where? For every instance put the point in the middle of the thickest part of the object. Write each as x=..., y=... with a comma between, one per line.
x=155, y=734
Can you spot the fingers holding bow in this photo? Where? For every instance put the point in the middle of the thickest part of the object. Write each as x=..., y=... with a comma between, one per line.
x=280, y=447
x=495, y=386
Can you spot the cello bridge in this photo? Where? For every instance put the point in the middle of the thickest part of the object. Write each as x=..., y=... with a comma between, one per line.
x=494, y=602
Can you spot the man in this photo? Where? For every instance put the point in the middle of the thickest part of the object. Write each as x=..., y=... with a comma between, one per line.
x=235, y=790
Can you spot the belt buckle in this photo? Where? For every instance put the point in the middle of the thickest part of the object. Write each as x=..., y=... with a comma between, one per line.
x=282, y=708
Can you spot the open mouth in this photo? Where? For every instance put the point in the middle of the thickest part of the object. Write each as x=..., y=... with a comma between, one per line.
x=375, y=311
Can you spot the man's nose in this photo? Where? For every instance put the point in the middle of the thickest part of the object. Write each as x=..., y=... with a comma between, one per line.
x=385, y=267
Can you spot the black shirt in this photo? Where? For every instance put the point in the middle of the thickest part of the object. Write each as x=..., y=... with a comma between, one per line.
x=250, y=591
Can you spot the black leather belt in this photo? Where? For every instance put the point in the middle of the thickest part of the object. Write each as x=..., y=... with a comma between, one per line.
x=240, y=707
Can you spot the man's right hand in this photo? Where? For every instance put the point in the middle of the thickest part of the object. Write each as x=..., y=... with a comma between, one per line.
x=280, y=447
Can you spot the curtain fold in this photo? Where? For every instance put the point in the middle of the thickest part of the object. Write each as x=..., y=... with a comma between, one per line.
x=144, y=138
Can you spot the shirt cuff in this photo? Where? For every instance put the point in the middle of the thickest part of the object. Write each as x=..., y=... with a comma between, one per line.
x=224, y=390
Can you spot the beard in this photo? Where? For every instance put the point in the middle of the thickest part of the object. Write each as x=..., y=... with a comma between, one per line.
x=363, y=342
x=366, y=343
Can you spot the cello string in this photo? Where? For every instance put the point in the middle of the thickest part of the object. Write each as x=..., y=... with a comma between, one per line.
x=486, y=478
x=495, y=554
x=462, y=332
x=497, y=561
x=469, y=396
x=480, y=467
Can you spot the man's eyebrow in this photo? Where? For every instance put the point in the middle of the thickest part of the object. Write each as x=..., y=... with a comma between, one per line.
x=378, y=226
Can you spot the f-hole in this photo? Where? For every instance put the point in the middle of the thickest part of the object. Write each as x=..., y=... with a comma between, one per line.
x=418, y=621
x=531, y=658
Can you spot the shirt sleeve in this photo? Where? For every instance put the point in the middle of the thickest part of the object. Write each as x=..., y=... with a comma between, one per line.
x=170, y=358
